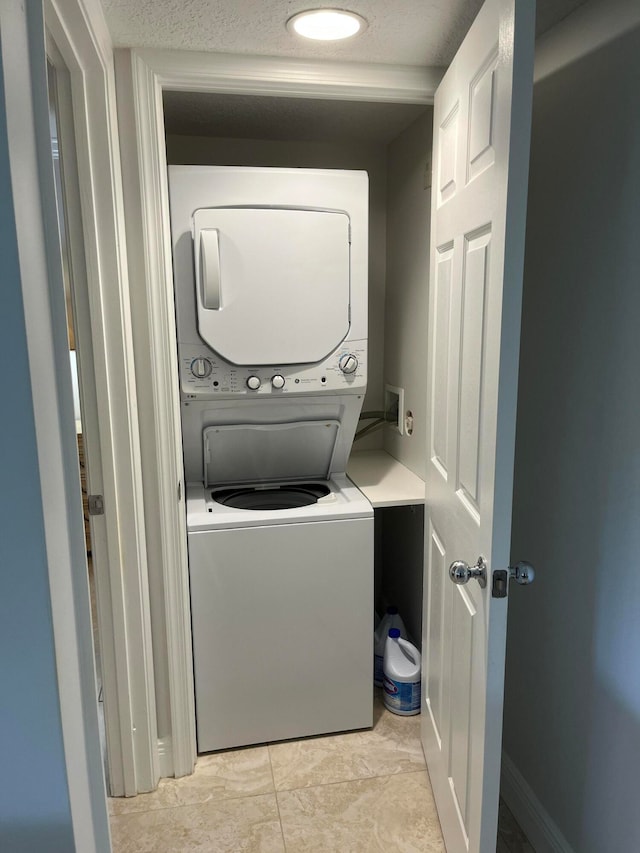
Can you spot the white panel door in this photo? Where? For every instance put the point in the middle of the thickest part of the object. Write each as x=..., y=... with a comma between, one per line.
x=481, y=148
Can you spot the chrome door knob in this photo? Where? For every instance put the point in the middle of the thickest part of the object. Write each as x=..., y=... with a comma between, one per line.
x=461, y=572
x=522, y=573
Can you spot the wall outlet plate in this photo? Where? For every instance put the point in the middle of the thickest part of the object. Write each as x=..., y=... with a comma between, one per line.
x=394, y=407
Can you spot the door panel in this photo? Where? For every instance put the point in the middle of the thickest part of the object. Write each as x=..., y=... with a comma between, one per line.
x=448, y=155
x=482, y=117
x=436, y=639
x=481, y=140
x=440, y=400
x=474, y=280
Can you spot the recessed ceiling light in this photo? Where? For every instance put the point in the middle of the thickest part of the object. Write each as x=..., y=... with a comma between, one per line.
x=326, y=24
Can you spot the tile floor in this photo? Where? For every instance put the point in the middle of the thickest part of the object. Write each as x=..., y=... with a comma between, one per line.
x=359, y=792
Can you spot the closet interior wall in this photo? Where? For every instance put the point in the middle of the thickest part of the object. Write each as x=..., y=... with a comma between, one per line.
x=405, y=361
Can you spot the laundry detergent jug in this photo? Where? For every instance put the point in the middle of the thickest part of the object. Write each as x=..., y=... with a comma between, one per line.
x=401, y=669
x=391, y=619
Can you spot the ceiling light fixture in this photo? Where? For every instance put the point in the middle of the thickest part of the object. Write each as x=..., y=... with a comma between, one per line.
x=326, y=24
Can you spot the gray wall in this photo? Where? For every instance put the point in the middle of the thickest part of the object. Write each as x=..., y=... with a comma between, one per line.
x=34, y=799
x=316, y=155
x=407, y=290
x=572, y=705
x=400, y=569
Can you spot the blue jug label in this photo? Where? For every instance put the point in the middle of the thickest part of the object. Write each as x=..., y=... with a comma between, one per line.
x=378, y=673
x=403, y=696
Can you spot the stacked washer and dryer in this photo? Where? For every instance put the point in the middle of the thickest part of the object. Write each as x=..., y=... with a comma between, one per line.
x=270, y=270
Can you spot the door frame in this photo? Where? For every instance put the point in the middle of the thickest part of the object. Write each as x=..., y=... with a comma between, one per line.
x=80, y=50
x=141, y=77
x=32, y=212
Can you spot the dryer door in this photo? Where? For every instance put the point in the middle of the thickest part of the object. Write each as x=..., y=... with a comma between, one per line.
x=272, y=284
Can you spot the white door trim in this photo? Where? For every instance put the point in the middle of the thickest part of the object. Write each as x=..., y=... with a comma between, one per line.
x=192, y=71
x=34, y=213
x=141, y=121
x=141, y=77
x=80, y=35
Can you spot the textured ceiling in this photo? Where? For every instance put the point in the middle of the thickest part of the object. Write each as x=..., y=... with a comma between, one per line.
x=404, y=32
x=258, y=117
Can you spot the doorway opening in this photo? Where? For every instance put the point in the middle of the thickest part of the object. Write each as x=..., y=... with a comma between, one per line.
x=391, y=141
x=65, y=177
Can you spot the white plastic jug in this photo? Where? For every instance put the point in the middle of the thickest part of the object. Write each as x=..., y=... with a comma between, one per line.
x=401, y=666
x=391, y=619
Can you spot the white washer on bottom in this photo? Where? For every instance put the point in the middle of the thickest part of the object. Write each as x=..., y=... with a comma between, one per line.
x=282, y=613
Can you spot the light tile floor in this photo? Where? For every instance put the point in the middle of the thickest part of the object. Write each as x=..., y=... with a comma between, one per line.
x=360, y=792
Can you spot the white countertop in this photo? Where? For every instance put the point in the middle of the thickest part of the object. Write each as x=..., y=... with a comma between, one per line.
x=384, y=480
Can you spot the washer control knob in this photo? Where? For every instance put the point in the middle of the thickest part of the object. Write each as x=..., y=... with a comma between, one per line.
x=253, y=383
x=277, y=381
x=201, y=368
x=348, y=363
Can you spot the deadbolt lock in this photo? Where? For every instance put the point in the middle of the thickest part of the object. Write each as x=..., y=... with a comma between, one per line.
x=522, y=573
x=95, y=504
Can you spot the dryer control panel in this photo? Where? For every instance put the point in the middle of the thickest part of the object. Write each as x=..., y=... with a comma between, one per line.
x=206, y=376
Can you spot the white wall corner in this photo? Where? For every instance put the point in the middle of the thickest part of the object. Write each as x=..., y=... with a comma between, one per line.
x=535, y=821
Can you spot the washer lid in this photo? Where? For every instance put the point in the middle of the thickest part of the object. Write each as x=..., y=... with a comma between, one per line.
x=258, y=453
x=272, y=284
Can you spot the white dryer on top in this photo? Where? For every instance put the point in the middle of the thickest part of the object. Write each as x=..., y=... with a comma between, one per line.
x=270, y=268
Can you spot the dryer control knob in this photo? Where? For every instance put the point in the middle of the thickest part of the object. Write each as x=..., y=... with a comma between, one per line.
x=253, y=383
x=277, y=381
x=201, y=368
x=348, y=363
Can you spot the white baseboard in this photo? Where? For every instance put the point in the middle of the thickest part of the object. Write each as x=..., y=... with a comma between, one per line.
x=535, y=821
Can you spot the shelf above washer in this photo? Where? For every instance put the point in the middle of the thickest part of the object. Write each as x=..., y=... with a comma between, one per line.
x=384, y=480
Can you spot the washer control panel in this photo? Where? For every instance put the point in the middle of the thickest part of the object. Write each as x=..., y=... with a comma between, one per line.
x=204, y=375
x=201, y=368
